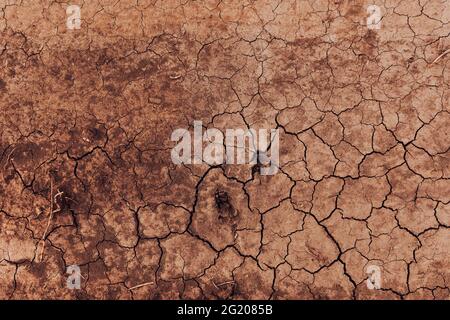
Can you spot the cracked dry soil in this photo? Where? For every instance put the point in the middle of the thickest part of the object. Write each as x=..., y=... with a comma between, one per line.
x=86, y=177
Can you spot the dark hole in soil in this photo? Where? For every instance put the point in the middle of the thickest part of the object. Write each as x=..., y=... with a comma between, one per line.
x=224, y=205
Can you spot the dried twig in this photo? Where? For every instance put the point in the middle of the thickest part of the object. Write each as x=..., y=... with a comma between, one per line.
x=225, y=283
x=440, y=56
x=141, y=285
x=50, y=216
x=8, y=158
x=59, y=194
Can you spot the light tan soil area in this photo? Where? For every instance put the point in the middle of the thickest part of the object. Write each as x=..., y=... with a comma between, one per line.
x=86, y=177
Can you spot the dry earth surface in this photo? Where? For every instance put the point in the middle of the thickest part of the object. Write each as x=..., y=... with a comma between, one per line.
x=86, y=177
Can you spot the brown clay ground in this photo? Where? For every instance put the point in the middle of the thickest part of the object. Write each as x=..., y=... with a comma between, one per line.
x=86, y=118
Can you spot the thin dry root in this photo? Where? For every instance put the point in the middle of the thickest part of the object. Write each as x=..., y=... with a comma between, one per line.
x=141, y=285
x=440, y=56
x=7, y=160
x=59, y=194
x=48, y=221
x=225, y=283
